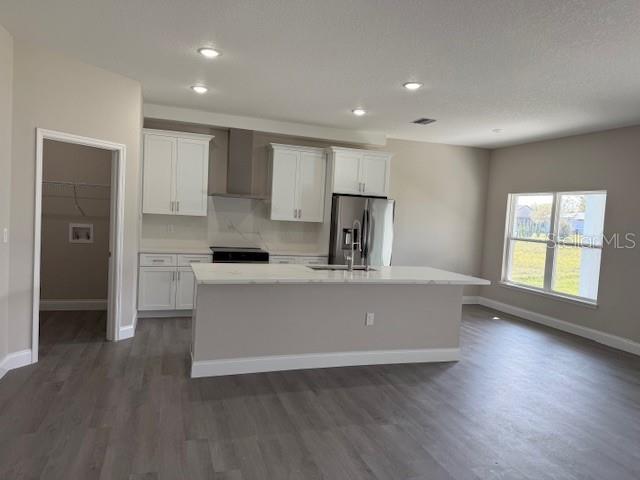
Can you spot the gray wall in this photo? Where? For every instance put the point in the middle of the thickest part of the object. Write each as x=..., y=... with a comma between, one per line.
x=600, y=161
x=74, y=271
x=440, y=193
x=235, y=321
x=57, y=93
x=6, y=109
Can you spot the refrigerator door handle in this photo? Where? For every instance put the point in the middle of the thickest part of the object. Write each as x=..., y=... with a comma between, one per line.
x=364, y=237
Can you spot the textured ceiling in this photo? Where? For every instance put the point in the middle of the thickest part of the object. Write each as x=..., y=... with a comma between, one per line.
x=535, y=68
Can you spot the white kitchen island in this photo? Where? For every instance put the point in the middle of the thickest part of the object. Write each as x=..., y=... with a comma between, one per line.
x=263, y=317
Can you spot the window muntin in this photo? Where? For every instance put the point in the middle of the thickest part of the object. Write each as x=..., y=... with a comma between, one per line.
x=554, y=242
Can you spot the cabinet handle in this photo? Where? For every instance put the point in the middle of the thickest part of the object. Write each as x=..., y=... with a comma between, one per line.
x=178, y=206
x=299, y=213
x=178, y=275
x=295, y=213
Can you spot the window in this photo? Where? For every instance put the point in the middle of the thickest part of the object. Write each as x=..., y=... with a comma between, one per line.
x=554, y=242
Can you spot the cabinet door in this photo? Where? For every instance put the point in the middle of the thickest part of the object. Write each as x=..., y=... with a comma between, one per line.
x=185, y=289
x=311, y=180
x=283, y=185
x=192, y=172
x=157, y=288
x=346, y=174
x=158, y=183
x=375, y=174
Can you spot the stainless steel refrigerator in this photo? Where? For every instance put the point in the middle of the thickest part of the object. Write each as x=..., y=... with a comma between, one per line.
x=367, y=221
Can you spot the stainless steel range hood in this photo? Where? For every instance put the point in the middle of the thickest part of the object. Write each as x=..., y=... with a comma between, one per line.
x=240, y=172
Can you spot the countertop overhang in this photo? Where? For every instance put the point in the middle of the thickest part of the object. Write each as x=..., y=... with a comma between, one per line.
x=242, y=274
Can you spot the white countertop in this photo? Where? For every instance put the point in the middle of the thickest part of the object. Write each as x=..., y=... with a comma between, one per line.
x=235, y=274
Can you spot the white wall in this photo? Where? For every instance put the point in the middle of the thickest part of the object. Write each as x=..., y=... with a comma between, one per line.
x=440, y=193
x=55, y=92
x=600, y=161
x=6, y=110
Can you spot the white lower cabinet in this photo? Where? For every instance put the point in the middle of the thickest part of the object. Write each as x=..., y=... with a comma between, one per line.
x=157, y=288
x=167, y=282
x=185, y=288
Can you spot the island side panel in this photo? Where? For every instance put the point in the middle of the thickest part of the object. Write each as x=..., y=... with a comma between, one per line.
x=253, y=320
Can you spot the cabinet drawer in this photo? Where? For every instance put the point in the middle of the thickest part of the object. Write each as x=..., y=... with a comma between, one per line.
x=186, y=260
x=282, y=259
x=313, y=260
x=157, y=260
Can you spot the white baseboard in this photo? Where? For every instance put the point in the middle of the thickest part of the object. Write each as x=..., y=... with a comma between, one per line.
x=604, y=338
x=13, y=360
x=234, y=366
x=470, y=300
x=164, y=313
x=79, y=304
x=128, y=331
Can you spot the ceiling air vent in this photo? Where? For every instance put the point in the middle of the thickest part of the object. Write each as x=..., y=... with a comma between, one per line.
x=423, y=121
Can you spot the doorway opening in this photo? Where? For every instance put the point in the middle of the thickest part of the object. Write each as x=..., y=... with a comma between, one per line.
x=78, y=240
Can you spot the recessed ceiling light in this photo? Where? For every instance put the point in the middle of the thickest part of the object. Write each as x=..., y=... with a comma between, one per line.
x=199, y=89
x=497, y=130
x=412, y=85
x=208, y=52
x=358, y=112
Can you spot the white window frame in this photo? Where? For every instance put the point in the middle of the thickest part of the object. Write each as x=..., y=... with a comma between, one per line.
x=552, y=245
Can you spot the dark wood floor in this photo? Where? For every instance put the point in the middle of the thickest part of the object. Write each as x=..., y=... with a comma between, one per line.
x=524, y=402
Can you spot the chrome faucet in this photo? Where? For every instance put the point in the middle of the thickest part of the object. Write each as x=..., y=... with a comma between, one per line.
x=355, y=233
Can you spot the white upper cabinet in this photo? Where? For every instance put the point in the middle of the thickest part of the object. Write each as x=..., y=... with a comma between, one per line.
x=312, y=174
x=346, y=168
x=159, y=163
x=360, y=172
x=298, y=177
x=284, y=179
x=375, y=174
x=175, y=176
x=192, y=172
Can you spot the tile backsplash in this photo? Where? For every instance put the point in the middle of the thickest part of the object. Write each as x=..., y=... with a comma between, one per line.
x=236, y=222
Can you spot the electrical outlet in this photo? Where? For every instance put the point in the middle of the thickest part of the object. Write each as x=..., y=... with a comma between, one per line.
x=368, y=319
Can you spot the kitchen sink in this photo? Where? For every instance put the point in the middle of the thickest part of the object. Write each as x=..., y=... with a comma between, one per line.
x=340, y=267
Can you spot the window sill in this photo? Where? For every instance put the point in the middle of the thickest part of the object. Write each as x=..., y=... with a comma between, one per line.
x=552, y=295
